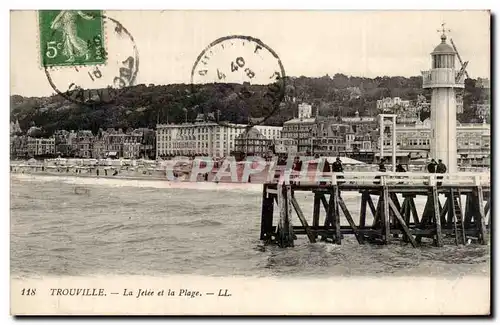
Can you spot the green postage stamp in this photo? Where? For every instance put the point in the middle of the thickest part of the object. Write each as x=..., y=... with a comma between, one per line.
x=71, y=38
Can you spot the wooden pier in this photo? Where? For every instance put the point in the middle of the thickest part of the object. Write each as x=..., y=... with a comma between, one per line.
x=393, y=218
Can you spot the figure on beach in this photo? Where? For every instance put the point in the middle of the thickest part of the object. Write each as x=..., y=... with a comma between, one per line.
x=73, y=45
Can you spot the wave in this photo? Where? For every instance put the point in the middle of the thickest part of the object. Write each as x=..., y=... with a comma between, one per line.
x=61, y=249
x=109, y=227
x=142, y=240
x=149, y=183
x=152, y=183
x=199, y=223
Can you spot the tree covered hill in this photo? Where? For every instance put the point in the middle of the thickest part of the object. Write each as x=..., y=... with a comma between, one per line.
x=145, y=105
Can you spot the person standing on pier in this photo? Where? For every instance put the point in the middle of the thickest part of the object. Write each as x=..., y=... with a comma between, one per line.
x=326, y=170
x=297, y=166
x=440, y=169
x=338, y=168
x=400, y=168
x=326, y=167
x=431, y=167
x=381, y=168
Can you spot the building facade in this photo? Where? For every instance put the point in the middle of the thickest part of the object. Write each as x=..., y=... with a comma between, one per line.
x=18, y=146
x=41, y=146
x=204, y=137
x=329, y=138
x=84, y=141
x=389, y=103
x=285, y=146
x=252, y=142
x=299, y=129
x=473, y=142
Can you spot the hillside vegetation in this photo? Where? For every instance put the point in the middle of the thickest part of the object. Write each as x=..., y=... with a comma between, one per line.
x=144, y=105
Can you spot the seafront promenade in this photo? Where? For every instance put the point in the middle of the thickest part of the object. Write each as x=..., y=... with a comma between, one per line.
x=159, y=170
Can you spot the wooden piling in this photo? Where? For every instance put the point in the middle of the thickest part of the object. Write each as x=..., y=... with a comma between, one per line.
x=370, y=204
x=486, y=211
x=267, y=214
x=329, y=214
x=285, y=229
x=452, y=215
x=377, y=216
x=316, y=212
x=335, y=214
x=437, y=217
x=483, y=239
x=362, y=210
x=385, y=215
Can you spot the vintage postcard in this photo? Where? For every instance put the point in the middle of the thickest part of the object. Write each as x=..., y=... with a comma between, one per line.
x=250, y=162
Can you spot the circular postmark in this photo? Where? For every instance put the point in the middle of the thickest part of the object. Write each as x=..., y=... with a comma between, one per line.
x=248, y=76
x=88, y=58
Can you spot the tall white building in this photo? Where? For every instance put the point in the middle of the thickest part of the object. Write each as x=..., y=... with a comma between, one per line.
x=443, y=78
x=203, y=138
x=388, y=103
x=305, y=111
x=41, y=146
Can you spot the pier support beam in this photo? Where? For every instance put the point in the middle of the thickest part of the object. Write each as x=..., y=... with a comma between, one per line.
x=348, y=216
x=386, y=231
x=336, y=215
x=483, y=239
x=402, y=223
x=302, y=219
x=437, y=217
x=362, y=211
x=316, y=212
x=285, y=228
x=266, y=223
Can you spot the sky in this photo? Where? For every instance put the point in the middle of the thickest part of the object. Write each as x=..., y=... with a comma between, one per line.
x=309, y=43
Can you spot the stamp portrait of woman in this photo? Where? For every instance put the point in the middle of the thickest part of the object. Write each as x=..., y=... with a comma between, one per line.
x=73, y=45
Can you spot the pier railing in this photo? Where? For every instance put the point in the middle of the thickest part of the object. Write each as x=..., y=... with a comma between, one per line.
x=385, y=178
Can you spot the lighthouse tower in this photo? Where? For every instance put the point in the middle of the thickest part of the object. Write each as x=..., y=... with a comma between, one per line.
x=443, y=78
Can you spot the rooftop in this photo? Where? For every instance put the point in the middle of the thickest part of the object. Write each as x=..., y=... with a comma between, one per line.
x=443, y=47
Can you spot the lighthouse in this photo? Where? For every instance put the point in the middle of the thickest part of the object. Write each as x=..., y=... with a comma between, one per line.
x=443, y=78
